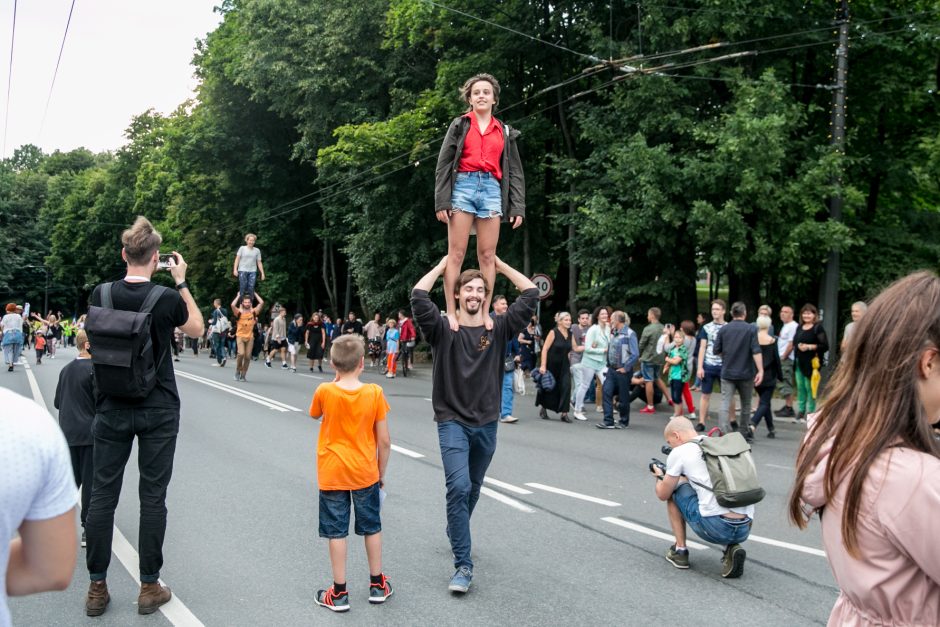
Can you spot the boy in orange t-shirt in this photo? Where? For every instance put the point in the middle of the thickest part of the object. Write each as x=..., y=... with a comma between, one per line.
x=352, y=453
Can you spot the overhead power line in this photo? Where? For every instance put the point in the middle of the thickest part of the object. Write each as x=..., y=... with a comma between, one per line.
x=6, y=121
x=56, y=73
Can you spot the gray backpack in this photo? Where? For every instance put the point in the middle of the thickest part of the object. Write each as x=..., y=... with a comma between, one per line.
x=732, y=470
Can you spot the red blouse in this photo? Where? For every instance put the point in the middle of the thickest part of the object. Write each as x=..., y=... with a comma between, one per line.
x=482, y=151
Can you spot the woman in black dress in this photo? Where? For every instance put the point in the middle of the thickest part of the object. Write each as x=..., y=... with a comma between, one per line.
x=315, y=341
x=555, y=359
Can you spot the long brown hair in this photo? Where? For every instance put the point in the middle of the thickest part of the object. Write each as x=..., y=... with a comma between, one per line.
x=872, y=400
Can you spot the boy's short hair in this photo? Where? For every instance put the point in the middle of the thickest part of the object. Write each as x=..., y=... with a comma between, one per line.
x=141, y=241
x=80, y=338
x=247, y=235
x=347, y=352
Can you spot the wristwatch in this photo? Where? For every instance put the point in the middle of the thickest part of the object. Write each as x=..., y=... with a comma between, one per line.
x=183, y=285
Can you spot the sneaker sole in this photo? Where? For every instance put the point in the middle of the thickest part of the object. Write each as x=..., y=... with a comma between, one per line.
x=737, y=564
x=461, y=589
x=678, y=565
x=381, y=599
x=332, y=608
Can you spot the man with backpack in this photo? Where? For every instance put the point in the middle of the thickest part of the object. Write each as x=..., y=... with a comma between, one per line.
x=130, y=323
x=695, y=492
x=218, y=327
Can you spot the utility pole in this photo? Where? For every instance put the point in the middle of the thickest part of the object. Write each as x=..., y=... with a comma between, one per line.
x=829, y=297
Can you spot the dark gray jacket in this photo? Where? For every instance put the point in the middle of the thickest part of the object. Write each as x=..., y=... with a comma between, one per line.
x=512, y=184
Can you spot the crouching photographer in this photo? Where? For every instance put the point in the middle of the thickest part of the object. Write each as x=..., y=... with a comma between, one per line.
x=685, y=483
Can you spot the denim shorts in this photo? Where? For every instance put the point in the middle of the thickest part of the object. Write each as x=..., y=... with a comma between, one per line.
x=676, y=387
x=477, y=193
x=650, y=371
x=712, y=374
x=334, y=512
x=714, y=529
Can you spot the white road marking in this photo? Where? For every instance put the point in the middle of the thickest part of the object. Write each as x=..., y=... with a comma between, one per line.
x=251, y=396
x=34, y=387
x=780, y=467
x=428, y=400
x=310, y=376
x=506, y=486
x=787, y=545
x=651, y=532
x=502, y=498
x=404, y=451
x=574, y=495
x=174, y=610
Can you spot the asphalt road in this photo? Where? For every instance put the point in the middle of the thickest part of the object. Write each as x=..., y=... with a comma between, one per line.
x=568, y=533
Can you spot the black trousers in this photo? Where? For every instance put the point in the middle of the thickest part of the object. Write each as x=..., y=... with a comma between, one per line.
x=114, y=431
x=83, y=471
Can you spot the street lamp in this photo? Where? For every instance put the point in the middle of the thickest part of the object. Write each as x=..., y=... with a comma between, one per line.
x=46, y=302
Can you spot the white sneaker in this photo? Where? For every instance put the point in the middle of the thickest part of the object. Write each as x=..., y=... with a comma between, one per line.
x=579, y=415
x=508, y=419
x=599, y=409
x=692, y=417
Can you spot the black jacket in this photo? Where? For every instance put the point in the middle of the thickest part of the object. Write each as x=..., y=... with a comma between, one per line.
x=512, y=185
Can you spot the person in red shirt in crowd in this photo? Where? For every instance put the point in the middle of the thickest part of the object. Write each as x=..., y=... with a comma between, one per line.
x=408, y=337
x=478, y=183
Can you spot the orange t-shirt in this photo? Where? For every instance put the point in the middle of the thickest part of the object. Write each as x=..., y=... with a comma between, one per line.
x=346, y=453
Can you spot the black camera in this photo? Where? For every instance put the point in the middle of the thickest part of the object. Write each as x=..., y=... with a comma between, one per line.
x=666, y=449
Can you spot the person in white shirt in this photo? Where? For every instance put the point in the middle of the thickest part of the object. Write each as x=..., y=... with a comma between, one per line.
x=685, y=485
x=37, y=499
x=785, y=346
x=858, y=312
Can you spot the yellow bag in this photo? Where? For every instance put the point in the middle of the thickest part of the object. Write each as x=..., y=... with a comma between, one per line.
x=816, y=378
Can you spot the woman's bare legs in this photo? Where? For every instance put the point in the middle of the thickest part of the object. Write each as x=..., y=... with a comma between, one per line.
x=458, y=232
x=487, y=238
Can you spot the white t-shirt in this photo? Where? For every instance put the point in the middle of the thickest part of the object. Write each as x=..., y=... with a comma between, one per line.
x=12, y=322
x=687, y=460
x=248, y=259
x=36, y=481
x=785, y=339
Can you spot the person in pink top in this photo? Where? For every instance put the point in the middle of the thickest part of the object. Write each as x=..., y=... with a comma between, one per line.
x=870, y=463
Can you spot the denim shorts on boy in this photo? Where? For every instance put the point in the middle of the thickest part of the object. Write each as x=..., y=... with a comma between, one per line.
x=714, y=529
x=712, y=374
x=334, y=512
x=650, y=371
x=477, y=193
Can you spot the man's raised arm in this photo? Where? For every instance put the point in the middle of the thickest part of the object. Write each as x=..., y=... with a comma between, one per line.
x=521, y=281
x=426, y=283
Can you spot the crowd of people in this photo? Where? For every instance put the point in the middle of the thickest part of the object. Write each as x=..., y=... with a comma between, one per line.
x=867, y=456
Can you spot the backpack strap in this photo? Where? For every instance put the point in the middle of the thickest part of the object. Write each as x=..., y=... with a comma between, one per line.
x=106, y=301
x=149, y=303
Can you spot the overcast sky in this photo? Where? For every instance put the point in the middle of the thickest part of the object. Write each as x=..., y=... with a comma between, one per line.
x=121, y=58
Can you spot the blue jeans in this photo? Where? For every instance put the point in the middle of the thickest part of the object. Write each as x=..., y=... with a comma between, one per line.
x=334, y=512
x=11, y=353
x=218, y=340
x=246, y=283
x=714, y=529
x=617, y=383
x=506, y=399
x=114, y=432
x=477, y=193
x=466, y=453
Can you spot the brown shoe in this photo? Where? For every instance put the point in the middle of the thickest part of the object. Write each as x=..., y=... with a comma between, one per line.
x=152, y=596
x=98, y=598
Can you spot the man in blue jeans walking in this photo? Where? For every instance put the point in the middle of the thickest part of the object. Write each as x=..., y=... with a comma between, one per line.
x=153, y=421
x=687, y=489
x=467, y=378
x=501, y=306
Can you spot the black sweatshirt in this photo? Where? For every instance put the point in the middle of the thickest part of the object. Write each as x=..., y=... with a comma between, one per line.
x=75, y=400
x=468, y=365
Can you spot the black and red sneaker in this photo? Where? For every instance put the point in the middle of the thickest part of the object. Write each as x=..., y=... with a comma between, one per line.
x=379, y=592
x=332, y=601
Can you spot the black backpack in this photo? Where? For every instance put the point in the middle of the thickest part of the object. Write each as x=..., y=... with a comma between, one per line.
x=122, y=347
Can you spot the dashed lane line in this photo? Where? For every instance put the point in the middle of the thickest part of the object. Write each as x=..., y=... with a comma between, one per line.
x=406, y=452
x=574, y=495
x=251, y=396
x=502, y=498
x=626, y=524
x=34, y=387
x=506, y=486
x=787, y=545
